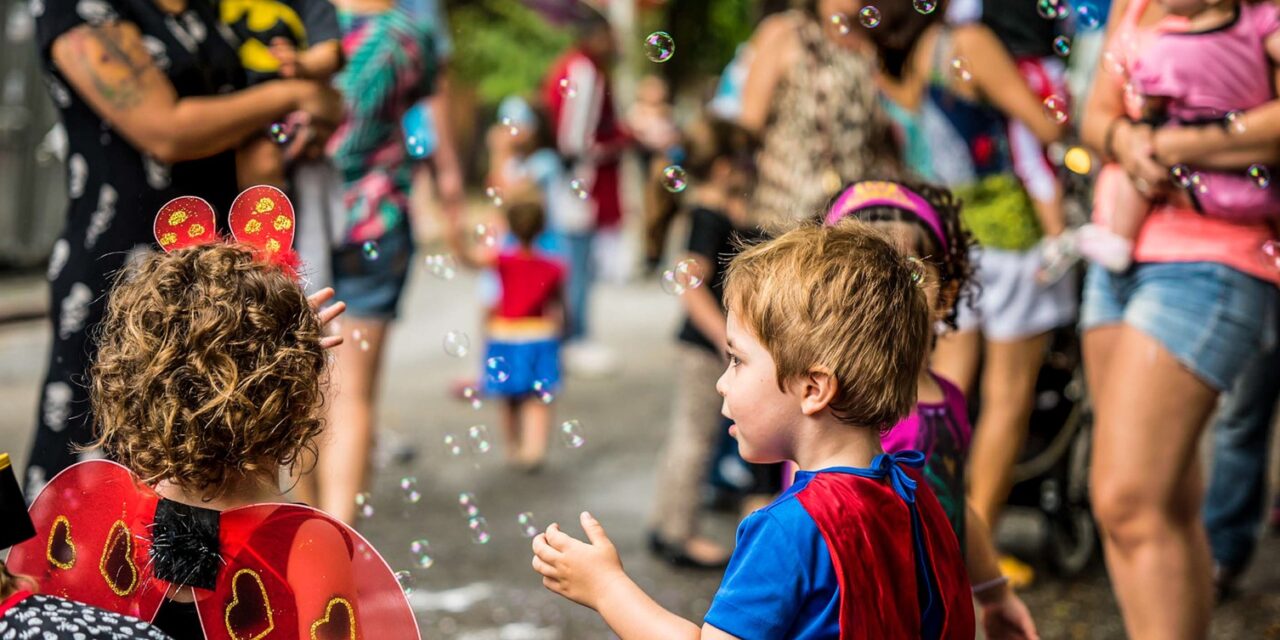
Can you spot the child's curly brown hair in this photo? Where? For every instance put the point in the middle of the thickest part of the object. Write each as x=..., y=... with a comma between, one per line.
x=209, y=369
x=953, y=261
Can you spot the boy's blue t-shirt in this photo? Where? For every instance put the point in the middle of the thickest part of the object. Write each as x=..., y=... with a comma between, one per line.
x=781, y=581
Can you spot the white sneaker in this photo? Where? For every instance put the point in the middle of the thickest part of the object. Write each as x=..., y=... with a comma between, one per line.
x=1100, y=245
x=589, y=359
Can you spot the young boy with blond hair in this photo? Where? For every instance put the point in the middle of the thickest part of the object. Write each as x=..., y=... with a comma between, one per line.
x=826, y=331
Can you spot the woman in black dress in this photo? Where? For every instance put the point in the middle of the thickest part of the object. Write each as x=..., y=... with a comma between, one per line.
x=152, y=96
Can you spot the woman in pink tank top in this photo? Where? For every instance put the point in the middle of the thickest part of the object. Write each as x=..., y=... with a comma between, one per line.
x=1163, y=339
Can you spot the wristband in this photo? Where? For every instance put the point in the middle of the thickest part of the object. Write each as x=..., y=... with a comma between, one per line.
x=994, y=583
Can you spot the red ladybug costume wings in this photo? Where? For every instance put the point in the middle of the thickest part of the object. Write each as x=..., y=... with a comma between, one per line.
x=284, y=570
x=258, y=572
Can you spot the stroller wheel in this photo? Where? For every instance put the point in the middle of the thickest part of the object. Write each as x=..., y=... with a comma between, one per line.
x=1073, y=540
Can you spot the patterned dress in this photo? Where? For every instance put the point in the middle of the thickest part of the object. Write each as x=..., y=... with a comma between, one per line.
x=115, y=190
x=391, y=64
x=825, y=129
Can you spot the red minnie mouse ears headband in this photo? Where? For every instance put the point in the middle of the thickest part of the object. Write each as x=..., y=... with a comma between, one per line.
x=261, y=217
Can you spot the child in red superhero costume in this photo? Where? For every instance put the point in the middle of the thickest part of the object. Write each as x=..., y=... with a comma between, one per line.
x=827, y=328
x=208, y=383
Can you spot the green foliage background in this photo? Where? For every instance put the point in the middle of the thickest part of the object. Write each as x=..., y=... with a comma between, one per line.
x=502, y=47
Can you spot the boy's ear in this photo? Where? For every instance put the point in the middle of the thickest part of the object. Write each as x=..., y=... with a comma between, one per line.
x=817, y=388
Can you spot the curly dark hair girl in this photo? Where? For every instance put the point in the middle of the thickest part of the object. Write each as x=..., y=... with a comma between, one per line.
x=210, y=369
x=952, y=261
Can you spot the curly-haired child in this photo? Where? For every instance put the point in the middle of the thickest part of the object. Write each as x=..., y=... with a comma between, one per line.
x=826, y=331
x=923, y=221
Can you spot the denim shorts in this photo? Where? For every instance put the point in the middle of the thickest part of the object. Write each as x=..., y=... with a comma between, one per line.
x=371, y=283
x=1212, y=318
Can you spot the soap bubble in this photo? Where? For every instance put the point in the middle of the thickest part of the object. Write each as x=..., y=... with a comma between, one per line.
x=917, y=270
x=512, y=127
x=1181, y=175
x=478, y=438
x=1113, y=62
x=420, y=551
x=472, y=395
x=572, y=434
x=960, y=69
x=1062, y=46
x=479, y=530
x=407, y=582
x=567, y=88
x=370, y=250
x=1199, y=184
x=1088, y=17
x=544, y=390
x=280, y=132
x=675, y=178
x=494, y=195
x=442, y=265
x=1048, y=9
x=409, y=490
x=364, y=504
x=457, y=344
x=416, y=146
x=1271, y=253
x=467, y=503
x=659, y=46
x=688, y=272
x=486, y=236
x=841, y=23
x=497, y=370
x=869, y=17
x=1235, y=122
x=452, y=445
x=1260, y=175
x=579, y=189
x=1056, y=108
x=925, y=7
x=528, y=528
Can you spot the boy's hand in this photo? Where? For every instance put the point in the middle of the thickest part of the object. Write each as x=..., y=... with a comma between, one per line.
x=577, y=570
x=1008, y=617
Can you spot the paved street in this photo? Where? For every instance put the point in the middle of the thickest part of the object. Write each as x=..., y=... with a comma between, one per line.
x=488, y=591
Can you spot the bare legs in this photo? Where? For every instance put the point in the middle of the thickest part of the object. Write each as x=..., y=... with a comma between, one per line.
x=1008, y=384
x=1146, y=483
x=343, y=465
x=526, y=425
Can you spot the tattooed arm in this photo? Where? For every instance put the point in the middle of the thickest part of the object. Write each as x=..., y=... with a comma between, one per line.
x=108, y=66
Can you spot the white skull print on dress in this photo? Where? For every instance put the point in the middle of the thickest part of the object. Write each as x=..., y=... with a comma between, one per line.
x=57, y=406
x=101, y=217
x=75, y=310
x=77, y=175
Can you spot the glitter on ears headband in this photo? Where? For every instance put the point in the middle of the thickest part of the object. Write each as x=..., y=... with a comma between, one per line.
x=261, y=217
x=878, y=193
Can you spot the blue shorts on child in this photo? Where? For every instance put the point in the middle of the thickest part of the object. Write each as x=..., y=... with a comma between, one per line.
x=515, y=368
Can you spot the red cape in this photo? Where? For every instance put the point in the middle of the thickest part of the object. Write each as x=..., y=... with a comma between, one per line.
x=867, y=523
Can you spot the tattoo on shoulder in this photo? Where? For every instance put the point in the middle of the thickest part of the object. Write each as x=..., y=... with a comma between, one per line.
x=115, y=60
